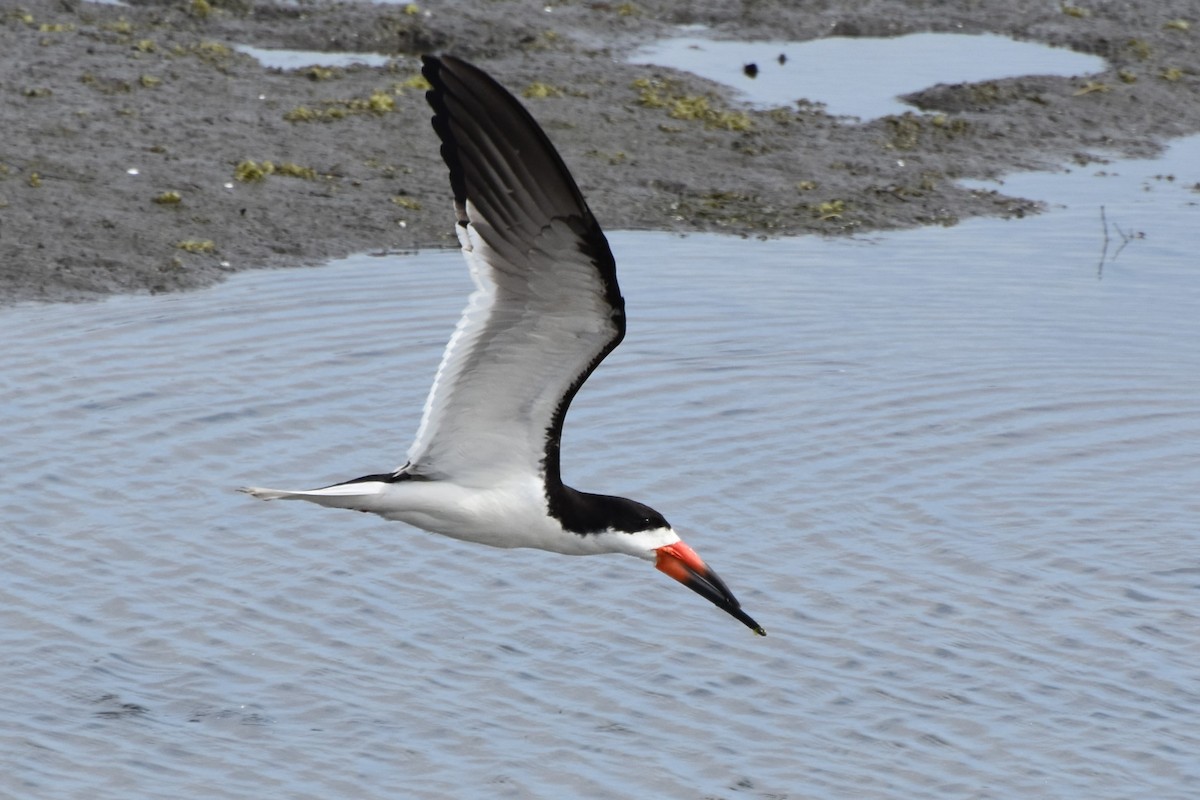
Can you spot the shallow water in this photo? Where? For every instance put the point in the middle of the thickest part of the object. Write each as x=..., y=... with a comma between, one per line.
x=861, y=76
x=953, y=472
x=298, y=59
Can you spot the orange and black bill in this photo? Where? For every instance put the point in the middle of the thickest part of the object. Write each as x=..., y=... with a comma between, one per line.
x=681, y=563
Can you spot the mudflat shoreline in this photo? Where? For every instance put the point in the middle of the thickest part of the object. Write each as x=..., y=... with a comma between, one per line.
x=142, y=153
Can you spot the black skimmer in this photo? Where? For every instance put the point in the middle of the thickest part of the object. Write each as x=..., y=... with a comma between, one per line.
x=545, y=312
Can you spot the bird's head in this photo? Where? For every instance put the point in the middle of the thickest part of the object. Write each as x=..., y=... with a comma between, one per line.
x=639, y=530
x=684, y=565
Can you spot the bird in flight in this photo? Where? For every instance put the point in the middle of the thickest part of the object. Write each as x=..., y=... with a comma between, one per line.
x=545, y=312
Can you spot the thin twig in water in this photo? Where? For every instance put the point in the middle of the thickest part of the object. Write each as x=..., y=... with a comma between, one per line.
x=1126, y=238
x=1104, y=251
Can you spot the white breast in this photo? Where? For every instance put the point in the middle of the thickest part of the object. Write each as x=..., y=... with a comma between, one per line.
x=507, y=514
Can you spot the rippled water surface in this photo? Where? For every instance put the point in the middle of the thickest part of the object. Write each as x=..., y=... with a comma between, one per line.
x=954, y=472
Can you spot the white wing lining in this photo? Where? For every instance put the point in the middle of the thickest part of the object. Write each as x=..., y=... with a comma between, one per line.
x=528, y=333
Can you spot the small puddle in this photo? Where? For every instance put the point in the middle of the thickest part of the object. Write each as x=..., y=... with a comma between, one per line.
x=861, y=77
x=298, y=59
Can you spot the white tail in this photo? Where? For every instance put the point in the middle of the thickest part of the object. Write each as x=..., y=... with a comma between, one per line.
x=343, y=495
x=266, y=494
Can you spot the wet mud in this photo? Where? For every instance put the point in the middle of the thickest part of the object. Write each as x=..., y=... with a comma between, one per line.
x=142, y=153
